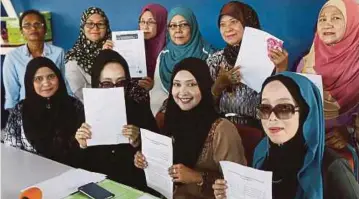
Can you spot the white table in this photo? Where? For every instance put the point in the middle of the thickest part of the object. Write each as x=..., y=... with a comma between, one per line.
x=21, y=169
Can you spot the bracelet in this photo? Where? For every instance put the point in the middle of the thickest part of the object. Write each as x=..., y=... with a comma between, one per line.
x=204, y=178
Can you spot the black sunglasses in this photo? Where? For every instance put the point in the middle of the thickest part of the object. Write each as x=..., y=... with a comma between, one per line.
x=281, y=111
x=108, y=84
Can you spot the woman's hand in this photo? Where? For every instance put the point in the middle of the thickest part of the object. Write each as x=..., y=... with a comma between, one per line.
x=83, y=134
x=140, y=160
x=146, y=83
x=132, y=133
x=183, y=174
x=219, y=188
x=279, y=58
x=225, y=79
x=108, y=45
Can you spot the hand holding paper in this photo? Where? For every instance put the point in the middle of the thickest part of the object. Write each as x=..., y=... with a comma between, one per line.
x=253, y=57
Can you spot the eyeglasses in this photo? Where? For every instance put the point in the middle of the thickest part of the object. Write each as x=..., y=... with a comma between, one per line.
x=91, y=25
x=36, y=25
x=181, y=26
x=148, y=23
x=108, y=84
x=39, y=79
x=281, y=111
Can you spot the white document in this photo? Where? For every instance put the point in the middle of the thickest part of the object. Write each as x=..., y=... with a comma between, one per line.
x=255, y=64
x=131, y=45
x=317, y=80
x=67, y=183
x=159, y=155
x=245, y=182
x=147, y=196
x=105, y=112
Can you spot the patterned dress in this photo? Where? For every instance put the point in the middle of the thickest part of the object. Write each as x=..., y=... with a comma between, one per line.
x=239, y=101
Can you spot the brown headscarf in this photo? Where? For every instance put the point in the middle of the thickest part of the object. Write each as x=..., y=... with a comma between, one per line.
x=247, y=16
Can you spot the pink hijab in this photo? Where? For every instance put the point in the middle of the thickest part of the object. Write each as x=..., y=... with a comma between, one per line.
x=155, y=45
x=339, y=64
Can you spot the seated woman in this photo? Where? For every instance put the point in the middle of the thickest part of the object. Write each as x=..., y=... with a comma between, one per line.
x=201, y=137
x=185, y=40
x=116, y=161
x=33, y=29
x=291, y=113
x=94, y=31
x=232, y=96
x=334, y=55
x=45, y=122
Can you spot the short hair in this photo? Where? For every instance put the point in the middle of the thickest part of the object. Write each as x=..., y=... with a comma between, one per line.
x=35, y=12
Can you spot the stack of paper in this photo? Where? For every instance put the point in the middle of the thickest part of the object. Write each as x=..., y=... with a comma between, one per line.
x=67, y=183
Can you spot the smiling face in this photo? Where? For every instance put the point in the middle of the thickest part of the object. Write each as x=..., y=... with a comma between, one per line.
x=95, y=32
x=180, y=30
x=46, y=82
x=185, y=90
x=278, y=130
x=331, y=25
x=231, y=30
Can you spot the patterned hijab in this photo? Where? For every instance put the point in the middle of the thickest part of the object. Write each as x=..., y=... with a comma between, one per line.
x=156, y=44
x=312, y=127
x=85, y=51
x=247, y=16
x=176, y=53
x=339, y=63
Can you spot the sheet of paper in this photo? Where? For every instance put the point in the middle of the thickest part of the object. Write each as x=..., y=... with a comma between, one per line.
x=317, y=80
x=246, y=182
x=105, y=112
x=146, y=196
x=255, y=64
x=67, y=183
x=131, y=45
x=159, y=155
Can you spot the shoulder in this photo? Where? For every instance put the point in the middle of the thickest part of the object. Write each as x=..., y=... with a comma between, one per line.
x=224, y=124
x=76, y=102
x=224, y=130
x=55, y=50
x=13, y=54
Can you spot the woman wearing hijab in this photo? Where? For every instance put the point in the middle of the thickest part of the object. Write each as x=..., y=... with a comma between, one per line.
x=231, y=95
x=94, y=31
x=116, y=161
x=291, y=113
x=183, y=40
x=201, y=137
x=334, y=55
x=45, y=122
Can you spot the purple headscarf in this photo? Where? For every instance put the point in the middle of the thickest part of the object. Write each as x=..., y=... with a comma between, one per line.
x=155, y=45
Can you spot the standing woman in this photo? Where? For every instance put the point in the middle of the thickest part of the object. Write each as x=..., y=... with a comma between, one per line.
x=94, y=31
x=183, y=40
x=46, y=121
x=334, y=55
x=33, y=28
x=231, y=95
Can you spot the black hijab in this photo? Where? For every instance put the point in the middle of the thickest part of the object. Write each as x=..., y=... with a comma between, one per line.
x=287, y=159
x=138, y=114
x=247, y=16
x=190, y=128
x=50, y=123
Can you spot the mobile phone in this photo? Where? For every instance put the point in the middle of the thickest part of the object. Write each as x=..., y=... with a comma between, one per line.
x=94, y=191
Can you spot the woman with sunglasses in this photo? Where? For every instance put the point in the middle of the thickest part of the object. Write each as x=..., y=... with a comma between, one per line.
x=94, y=31
x=33, y=28
x=46, y=121
x=183, y=40
x=116, y=161
x=291, y=113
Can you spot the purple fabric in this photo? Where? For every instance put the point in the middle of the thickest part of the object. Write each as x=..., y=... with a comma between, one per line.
x=155, y=45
